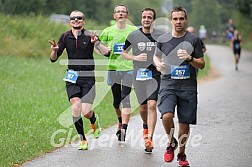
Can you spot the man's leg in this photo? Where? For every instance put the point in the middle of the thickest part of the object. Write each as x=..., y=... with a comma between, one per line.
x=78, y=122
x=144, y=113
x=183, y=135
x=116, y=91
x=126, y=111
x=152, y=117
x=168, y=124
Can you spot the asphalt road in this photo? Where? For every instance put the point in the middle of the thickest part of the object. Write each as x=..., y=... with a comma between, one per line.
x=222, y=137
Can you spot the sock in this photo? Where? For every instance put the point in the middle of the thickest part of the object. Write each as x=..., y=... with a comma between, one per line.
x=79, y=127
x=145, y=126
x=124, y=126
x=120, y=119
x=92, y=119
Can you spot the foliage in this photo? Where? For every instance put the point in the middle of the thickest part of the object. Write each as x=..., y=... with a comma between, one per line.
x=209, y=15
x=187, y=4
x=99, y=10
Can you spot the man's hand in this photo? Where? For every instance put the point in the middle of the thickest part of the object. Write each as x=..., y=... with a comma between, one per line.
x=94, y=37
x=54, y=46
x=160, y=65
x=182, y=54
x=141, y=57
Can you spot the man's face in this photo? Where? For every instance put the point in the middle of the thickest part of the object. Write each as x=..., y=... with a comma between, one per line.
x=77, y=20
x=147, y=19
x=178, y=21
x=120, y=13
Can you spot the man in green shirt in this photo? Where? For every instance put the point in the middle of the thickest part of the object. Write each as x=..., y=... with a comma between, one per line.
x=119, y=70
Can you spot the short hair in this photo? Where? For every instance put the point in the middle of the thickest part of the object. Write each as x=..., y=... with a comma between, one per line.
x=127, y=10
x=178, y=9
x=150, y=9
x=79, y=12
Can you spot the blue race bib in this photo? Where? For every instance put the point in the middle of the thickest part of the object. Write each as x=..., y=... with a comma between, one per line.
x=71, y=76
x=118, y=47
x=180, y=72
x=143, y=74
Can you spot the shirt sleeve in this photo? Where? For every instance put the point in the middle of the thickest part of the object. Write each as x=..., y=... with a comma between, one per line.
x=158, y=51
x=198, y=49
x=61, y=44
x=127, y=45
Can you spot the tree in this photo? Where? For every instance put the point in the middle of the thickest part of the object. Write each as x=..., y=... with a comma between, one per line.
x=207, y=15
x=187, y=4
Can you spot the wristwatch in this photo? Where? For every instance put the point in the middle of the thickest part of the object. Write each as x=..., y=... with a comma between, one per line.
x=191, y=59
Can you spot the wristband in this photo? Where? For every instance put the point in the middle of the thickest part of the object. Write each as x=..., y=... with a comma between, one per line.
x=98, y=43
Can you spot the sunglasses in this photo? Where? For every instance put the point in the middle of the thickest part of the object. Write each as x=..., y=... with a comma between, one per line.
x=76, y=18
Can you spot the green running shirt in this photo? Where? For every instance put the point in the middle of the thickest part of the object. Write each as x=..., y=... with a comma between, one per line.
x=115, y=39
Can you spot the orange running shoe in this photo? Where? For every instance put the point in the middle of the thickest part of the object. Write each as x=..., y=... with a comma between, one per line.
x=148, y=145
x=96, y=128
x=145, y=134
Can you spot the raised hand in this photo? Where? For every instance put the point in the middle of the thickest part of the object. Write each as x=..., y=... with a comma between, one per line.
x=54, y=46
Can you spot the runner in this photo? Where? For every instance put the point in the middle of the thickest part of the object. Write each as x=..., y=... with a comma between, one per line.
x=182, y=53
x=235, y=44
x=146, y=78
x=119, y=70
x=80, y=80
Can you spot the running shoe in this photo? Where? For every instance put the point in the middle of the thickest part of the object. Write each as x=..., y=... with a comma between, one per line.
x=148, y=145
x=122, y=135
x=169, y=152
x=182, y=161
x=83, y=145
x=96, y=128
x=145, y=134
x=118, y=132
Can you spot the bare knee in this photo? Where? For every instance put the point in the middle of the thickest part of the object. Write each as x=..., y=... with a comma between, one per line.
x=168, y=116
x=76, y=110
x=88, y=114
x=76, y=107
x=152, y=106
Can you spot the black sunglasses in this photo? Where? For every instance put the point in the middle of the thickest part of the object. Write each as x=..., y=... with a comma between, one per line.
x=76, y=17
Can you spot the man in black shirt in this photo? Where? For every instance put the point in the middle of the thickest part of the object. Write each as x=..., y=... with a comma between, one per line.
x=146, y=78
x=177, y=55
x=80, y=80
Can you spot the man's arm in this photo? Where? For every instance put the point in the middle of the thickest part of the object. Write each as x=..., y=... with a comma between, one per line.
x=102, y=49
x=195, y=62
x=160, y=65
x=99, y=46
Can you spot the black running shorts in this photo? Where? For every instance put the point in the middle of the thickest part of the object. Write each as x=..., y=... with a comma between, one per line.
x=84, y=88
x=184, y=100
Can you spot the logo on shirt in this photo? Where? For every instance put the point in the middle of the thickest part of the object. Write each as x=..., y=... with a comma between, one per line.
x=141, y=46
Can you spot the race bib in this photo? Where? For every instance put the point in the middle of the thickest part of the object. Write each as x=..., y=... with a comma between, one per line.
x=237, y=46
x=180, y=72
x=118, y=47
x=143, y=74
x=71, y=76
